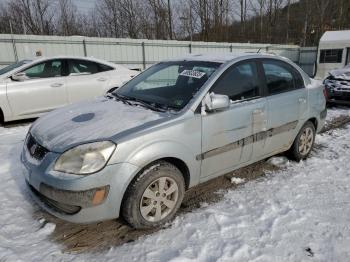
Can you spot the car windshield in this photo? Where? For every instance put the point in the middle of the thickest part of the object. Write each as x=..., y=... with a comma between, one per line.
x=168, y=84
x=13, y=66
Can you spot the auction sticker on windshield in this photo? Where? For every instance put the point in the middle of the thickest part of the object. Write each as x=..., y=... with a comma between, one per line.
x=192, y=73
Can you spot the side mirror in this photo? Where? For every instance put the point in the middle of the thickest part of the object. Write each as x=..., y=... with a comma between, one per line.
x=214, y=102
x=19, y=77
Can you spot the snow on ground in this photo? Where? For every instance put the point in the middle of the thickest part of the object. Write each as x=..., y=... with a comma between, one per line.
x=298, y=214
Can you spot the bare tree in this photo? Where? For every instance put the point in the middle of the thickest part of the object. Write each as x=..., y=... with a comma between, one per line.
x=37, y=15
x=108, y=11
x=68, y=18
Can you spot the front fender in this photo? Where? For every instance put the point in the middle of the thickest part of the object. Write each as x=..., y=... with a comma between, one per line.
x=146, y=154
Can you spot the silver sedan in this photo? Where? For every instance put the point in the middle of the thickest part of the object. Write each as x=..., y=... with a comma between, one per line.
x=134, y=152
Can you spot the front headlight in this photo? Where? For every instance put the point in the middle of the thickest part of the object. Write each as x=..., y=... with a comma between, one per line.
x=85, y=159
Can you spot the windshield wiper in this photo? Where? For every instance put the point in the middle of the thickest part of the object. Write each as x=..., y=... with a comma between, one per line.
x=152, y=106
x=135, y=101
x=123, y=99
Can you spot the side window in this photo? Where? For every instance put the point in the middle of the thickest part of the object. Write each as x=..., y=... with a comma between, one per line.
x=331, y=56
x=104, y=68
x=279, y=77
x=77, y=67
x=239, y=82
x=52, y=68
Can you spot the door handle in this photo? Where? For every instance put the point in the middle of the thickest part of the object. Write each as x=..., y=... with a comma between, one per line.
x=101, y=79
x=302, y=100
x=56, y=85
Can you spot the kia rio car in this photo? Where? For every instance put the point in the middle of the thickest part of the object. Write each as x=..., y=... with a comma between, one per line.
x=30, y=89
x=134, y=152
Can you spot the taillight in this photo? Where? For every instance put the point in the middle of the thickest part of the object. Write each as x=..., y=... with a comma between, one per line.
x=325, y=93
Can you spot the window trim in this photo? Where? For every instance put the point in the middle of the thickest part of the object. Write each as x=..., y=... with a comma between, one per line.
x=260, y=88
x=293, y=70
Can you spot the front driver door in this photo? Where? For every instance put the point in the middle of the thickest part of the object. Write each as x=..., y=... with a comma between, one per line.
x=43, y=90
x=228, y=135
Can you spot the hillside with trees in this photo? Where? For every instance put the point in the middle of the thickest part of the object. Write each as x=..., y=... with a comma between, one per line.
x=257, y=21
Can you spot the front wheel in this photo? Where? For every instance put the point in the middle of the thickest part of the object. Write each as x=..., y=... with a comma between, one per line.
x=154, y=197
x=304, y=142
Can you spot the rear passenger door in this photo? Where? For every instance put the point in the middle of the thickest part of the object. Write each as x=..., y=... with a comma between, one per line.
x=228, y=135
x=286, y=102
x=86, y=79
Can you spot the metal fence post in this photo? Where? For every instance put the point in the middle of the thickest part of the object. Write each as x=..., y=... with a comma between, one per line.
x=299, y=56
x=143, y=55
x=13, y=43
x=84, y=46
x=190, y=47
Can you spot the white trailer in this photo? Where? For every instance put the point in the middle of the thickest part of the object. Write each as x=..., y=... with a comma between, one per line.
x=333, y=52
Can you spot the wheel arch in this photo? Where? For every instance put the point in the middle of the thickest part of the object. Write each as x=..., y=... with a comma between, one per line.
x=314, y=121
x=177, y=162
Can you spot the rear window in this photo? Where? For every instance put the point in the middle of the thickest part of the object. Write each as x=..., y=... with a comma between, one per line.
x=83, y=67
x=104, y=68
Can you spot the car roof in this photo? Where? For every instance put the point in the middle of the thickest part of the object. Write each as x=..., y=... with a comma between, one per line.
x=224, y=57
x=44, y=58
x=39, y=59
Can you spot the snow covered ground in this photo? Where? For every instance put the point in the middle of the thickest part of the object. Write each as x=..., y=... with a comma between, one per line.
x=301, y=213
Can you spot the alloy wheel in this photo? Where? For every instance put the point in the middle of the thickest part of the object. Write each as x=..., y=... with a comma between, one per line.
x=159, y=199
x=305, y=141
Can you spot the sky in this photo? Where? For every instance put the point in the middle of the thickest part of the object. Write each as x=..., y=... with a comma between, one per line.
x=82, y=5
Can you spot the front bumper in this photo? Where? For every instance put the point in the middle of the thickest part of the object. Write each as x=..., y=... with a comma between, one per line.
x=339, y=100
x=71, y=197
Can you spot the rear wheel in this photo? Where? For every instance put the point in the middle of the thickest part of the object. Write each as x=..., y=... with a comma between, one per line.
x=304, y=142
x=154, y=197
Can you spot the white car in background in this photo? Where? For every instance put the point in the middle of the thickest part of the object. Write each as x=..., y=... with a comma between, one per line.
x=29, y=89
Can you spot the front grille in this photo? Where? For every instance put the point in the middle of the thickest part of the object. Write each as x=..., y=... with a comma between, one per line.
x=53, y=204
x=35, y=150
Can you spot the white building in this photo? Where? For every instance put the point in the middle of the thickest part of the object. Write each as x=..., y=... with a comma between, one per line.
x=333, y=52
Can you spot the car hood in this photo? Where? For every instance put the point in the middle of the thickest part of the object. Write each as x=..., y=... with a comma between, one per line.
x=342, y=74
x=100, y=119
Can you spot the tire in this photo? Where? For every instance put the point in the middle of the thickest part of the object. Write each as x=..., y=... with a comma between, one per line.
x=2, y=118
x=303, y=143
x=144, y=204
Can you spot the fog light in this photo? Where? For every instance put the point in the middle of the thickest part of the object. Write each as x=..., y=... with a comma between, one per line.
x=99, y=196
